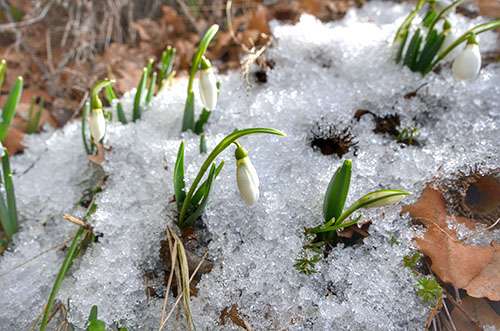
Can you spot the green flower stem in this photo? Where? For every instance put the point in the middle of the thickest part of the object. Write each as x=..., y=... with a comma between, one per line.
x=407, y=22
x=475, y=30
x=444, y=11
x=202, y=48
x=223, y=144
x=95, y=101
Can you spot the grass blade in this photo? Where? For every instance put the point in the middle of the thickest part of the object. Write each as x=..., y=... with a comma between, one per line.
x=9, y=109
x=337, y=191
x=167, y=65
x=179, y=183
x=34, y=116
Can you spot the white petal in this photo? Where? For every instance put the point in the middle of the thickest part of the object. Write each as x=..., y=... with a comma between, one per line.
x=208, y=88
x=97, y=124
x=468, y=63
x=247, y=180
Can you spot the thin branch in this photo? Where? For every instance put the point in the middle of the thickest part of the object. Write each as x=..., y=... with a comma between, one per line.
x=17, y=25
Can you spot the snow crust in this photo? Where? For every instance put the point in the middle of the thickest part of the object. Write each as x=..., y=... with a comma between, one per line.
x=323, y=72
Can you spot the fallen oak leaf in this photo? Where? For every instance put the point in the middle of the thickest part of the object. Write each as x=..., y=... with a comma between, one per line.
x=472, y=268
x=476, y=309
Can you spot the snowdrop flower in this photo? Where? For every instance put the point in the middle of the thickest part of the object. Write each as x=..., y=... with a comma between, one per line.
x=467, y=64
x=97, y=124
x=246, y=176
x=208, y=85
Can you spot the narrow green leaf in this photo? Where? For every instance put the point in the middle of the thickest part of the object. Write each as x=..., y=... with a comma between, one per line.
x=202, y=120
x=68, y=260
x=9, y=227
x=95, y=324
x=3, y=71
x=201, y=207
x=188, y=119
x=198, y=195
x=429, y=53
x=85, y=114
x=413, y=50
x=167, y=64
x=9, y=191
x=151, y=88
x=34, y=116
x=9, y=109
x=110, y=94
x=179, y=183
x=429, y=18
x=140, y=95
x=203, y=144
x=338, y=189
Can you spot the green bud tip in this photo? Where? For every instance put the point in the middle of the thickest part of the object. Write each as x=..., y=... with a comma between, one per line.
x=472, y=40
x=240, y=152
x=205, y=63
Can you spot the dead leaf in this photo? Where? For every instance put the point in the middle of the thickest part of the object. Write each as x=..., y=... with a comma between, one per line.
x=477, y=309
x=234, y=316
x=489, y=8
x=14, y=141
x=472, y=268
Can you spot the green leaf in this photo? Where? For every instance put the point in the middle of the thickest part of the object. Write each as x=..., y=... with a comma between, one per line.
x=9, y=191
x=203, y=144
x=9, y=227
x=429, y=18
x=3, y=71
x=198, y=210
x=432, y=46
x=337, y=191
x=68, y=261
x=140, y=95
x=429, y=290
x=93, y=323
x=413, y=50
x=86, y=143
x=151, y=88
x=188, y=119
x=110, y=94
x=167, y=64
x=9, y=109
x=34, y=116
x=198, y=195
x=202, y=120
x=179, y=183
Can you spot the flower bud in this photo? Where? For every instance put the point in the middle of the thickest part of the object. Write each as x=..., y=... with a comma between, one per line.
x=97, y=124
x=467, y=64
x=208, y=85
x=246, y=177
x=381, y=198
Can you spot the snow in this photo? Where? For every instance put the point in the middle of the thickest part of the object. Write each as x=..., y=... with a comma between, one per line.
x=323, y=72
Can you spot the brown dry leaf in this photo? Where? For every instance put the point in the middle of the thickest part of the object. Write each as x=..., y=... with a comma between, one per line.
x=472, y=268
x=234, y=316
x=489, y=8
x=14, y=141
x=477, y=309
x=259, y=20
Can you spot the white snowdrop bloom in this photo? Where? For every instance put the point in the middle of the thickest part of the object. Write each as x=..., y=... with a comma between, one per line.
x=467, y=64
x=208, y=88
x=97, y=124
x=246, y=177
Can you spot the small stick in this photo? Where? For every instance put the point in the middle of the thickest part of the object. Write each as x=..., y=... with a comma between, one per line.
x=180, y=296
x=449, y=316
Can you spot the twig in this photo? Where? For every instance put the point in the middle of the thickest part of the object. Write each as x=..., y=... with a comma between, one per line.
x=190, y=17
x=449, y=316
x=17, y=25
